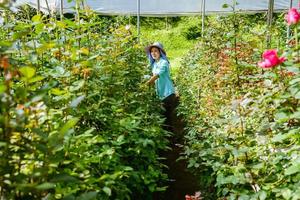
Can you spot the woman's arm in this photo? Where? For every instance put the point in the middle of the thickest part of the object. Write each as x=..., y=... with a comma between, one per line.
x=152, y=79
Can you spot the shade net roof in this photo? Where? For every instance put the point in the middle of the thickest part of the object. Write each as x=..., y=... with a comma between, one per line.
x=160, y=7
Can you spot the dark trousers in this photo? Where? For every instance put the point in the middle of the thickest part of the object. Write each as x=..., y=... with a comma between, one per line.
x=170, y=103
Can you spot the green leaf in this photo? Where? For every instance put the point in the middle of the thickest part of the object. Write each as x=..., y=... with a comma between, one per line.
x=120, y=139
x=225, y=5
x=77, y=85
x=57, y=91
x=244, y=197
x=161, y=189
x=2, y=89
x=64, y=178
x=107, y=190
x=76, y=101
x=262, y=195
x=45, y=186
x=62, y=25
x=35, y=79
x=18, y=35
x=87, y=133
x=296, y=80
x=88, y=196
x=279, y=137
x=281, y=116
x=39, y=28
x=5, y=44
x=93, y=57
x=286, y=193
x=36, y=18
x=27, y=72
x=128, y=168
x=296, y=195
x=46, y=46
x=297, y=96
x=3, y=144
x=70, y=124
x=296, y=115
x=293, y=69
x=292, y=169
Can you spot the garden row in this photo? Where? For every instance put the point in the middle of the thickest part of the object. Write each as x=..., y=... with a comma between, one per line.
x=243, y=118
x=76, y=121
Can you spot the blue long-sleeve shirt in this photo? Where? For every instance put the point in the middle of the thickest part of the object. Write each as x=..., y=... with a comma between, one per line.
x=164, y=85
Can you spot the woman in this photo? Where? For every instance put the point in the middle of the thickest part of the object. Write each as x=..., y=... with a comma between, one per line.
x=162, y=80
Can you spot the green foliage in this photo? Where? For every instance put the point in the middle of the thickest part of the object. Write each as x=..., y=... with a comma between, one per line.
x=171, y=32
x=243, y=123
x=192, y=33
x=76, y=121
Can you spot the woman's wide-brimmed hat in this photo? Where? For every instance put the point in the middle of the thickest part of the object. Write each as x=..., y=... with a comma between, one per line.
x=157, y=45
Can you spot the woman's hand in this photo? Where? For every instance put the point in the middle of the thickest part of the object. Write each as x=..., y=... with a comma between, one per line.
x=151, y=81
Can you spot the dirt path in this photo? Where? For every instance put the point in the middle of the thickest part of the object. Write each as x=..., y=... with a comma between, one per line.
x=181, y=182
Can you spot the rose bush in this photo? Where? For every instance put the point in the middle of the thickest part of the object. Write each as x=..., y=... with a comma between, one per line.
x=74, y=121
x=242, y=122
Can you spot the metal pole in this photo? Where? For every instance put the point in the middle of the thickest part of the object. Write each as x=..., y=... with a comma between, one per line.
x=271, y=9
x=234, y=5
x=47, y=4
x=138, y=19
x=61, y=9
x=203, y=17
x=269, y=21
x=201, y=8
x=288, y=32
x=38, y=7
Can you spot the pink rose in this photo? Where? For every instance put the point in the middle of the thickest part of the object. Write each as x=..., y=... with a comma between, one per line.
x=188, y=197
x=293, y=16
x=271, y=59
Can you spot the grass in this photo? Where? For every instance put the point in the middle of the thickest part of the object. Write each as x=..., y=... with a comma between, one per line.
x=172, y=36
